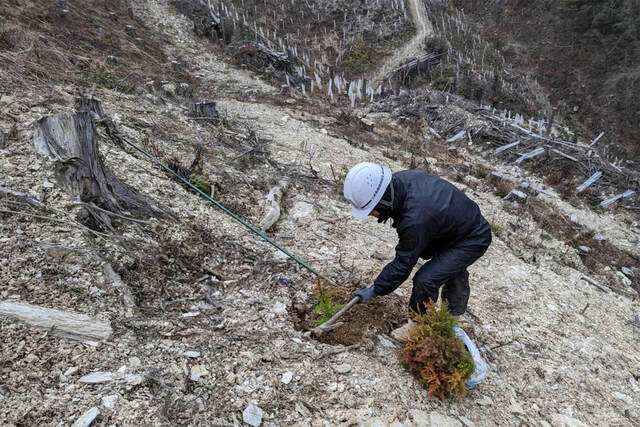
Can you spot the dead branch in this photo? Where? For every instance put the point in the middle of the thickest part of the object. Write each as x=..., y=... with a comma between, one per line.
x=69, y=325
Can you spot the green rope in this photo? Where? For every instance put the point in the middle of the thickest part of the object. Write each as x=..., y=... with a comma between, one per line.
x=228, y=212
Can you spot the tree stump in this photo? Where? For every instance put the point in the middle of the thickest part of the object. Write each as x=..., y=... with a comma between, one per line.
x=70, y=140
x=205, y=109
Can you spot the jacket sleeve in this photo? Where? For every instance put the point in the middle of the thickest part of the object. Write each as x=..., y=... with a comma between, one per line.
x=413, y=241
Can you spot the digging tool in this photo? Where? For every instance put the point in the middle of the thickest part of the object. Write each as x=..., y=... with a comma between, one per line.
x=332, y=323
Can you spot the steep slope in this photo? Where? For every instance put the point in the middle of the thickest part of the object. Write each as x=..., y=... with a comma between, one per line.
x=200, y=349
x=585, y=53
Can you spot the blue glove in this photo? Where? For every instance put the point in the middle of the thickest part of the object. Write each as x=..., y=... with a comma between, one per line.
x=365, y=294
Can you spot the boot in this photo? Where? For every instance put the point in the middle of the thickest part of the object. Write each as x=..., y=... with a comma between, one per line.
x=402, y=333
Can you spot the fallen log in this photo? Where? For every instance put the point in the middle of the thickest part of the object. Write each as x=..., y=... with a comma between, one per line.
x=78, y=327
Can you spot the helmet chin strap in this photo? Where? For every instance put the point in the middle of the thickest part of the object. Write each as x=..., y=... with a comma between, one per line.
x=386, y=203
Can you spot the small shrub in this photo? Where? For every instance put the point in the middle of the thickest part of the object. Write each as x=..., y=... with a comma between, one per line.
x=436, y=356
x=496, y=229
x=338, y=179
x=137, y=123
x=344, y=118
x=325, y=307
x=502, y=189
x=480, y=171
x=358, y=60
x=201, y=182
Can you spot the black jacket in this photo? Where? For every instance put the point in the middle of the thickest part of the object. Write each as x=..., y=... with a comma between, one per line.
x=430, y=215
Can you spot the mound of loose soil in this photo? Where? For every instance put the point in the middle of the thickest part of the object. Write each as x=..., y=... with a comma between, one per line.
x=378, y=316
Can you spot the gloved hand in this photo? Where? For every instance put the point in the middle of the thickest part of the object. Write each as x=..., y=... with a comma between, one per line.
x=365, y=294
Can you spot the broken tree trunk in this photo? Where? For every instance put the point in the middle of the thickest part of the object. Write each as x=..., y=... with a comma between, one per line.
x=70, y=140
x=74, y=326
x=94, y=106
x=274, y=198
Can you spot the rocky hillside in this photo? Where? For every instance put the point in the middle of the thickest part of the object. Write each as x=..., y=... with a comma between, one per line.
x=202, y=321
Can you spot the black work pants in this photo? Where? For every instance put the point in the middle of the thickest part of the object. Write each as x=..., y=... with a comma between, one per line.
x=449, y=269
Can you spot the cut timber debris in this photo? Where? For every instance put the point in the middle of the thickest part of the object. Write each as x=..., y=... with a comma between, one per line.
x=614, y=199
x=506, y=147
x=538, y=151
x=274, y=199
x=73, y=326
x=593, y=178
x=71, y=141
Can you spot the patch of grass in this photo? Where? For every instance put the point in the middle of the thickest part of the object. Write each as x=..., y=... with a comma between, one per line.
x=137, y=123
x=339, y=177
x=480, y=171
x=435, y=356
x=202, y=182
x=502, y=189
x=497, y=229
x=103, y=77
x=325, y=307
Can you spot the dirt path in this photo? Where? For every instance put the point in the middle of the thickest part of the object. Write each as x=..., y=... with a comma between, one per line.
x=414, y=47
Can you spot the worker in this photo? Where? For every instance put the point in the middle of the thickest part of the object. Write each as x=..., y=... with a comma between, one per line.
x=435, y=221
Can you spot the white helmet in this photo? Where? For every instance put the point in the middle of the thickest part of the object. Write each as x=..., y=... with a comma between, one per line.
x=364, y=186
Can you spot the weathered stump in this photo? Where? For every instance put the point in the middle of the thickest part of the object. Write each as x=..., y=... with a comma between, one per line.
x=70, y=140
x=205, y=110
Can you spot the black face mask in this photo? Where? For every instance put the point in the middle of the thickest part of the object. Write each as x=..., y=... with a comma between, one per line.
x=385, y=205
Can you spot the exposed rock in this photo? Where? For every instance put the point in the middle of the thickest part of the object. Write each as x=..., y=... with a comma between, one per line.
x=252, y=415
x=97, y=377
x=70, y=371
x=419, y=418
x=438, y=420
x=484, y=401
x=561, y=420
x=279, y=307
x=627, y=272
x=87, y=418
x=197, y=372
x=287, y=377
x=386, y=342
x=134, y=379
x=343, y=368
x=516, y=195
x=110, y=401
x=169, y=89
